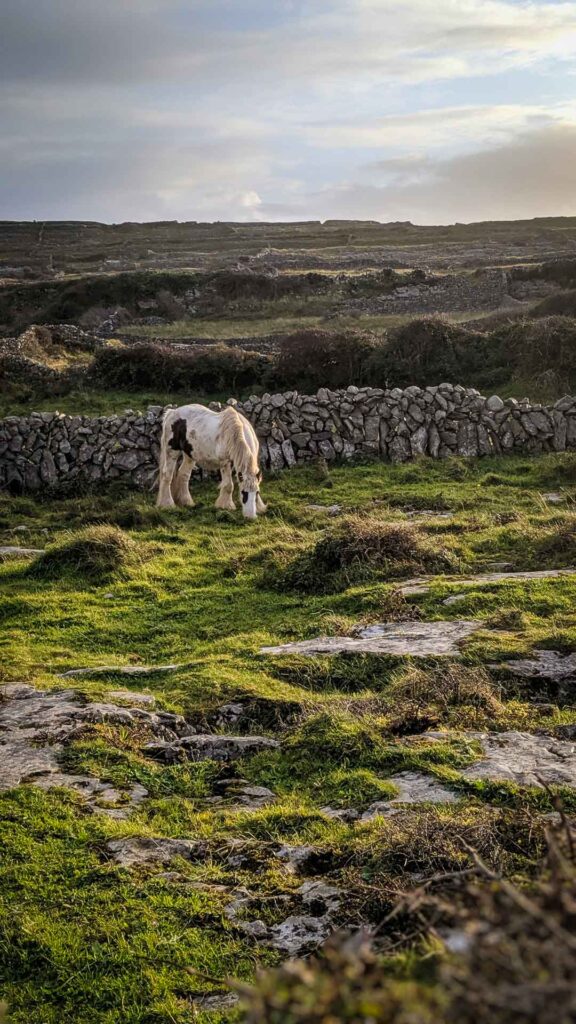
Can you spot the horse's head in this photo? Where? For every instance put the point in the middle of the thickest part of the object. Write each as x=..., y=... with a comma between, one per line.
x=249, y=489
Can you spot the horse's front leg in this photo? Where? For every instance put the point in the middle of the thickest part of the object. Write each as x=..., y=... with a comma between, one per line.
x=261, y=506
x=225, y=499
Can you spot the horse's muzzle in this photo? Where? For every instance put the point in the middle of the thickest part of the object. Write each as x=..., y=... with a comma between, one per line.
x=249, y=504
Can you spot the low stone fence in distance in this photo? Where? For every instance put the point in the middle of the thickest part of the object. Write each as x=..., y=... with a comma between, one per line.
x=51, y=451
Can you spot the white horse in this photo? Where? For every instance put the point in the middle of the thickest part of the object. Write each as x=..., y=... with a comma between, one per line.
x=212, y=440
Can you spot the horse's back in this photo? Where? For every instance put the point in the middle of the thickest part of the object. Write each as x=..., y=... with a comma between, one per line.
x=194, y=411
x=202, y=429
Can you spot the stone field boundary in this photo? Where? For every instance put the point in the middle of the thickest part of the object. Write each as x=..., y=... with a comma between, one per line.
x=52, y=451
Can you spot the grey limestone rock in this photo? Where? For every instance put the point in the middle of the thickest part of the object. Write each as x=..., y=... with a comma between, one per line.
x=209, y=747
x=413, y=788
x=10, y=552
x=139, y=850
x=525, y=759
x=421, y=584
x=34, y=727
x=419, y=639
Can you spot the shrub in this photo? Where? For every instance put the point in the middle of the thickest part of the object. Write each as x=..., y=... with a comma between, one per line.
x=311, y=359
x=560, y=272
x=510, y=948
x=95, y=554
x=212, y=368
x=562, y=304
x=531, y=346
x=344, y=983
x=361, y=547
x=427, y=351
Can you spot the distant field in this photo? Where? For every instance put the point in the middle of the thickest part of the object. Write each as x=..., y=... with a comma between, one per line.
x=257, y=328
x=103, y=402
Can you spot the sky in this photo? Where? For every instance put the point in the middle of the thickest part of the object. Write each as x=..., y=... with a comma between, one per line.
x=434, y=111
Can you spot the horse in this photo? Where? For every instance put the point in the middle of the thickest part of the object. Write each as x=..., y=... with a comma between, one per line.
x=196, y=436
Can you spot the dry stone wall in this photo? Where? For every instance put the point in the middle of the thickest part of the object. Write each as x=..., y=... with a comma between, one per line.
x=464, y=292
x=51, y=451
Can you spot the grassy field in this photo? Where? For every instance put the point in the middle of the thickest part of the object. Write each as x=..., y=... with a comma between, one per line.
x=84, y=941
x=102, y=401
x=262, y=324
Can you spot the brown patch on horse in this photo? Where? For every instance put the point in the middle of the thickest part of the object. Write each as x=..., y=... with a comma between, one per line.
x=179, y=441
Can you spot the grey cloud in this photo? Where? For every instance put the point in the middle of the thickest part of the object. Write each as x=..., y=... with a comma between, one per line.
x=66, y=40
x=150, y=41
x=531, y=175
x=175, y=108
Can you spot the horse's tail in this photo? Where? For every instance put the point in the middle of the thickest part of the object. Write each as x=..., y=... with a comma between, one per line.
x=167, y=421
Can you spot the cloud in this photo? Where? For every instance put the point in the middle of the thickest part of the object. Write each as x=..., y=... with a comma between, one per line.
x=529, y=176
x=164, y=108
x=436, y=126
x=408, y=40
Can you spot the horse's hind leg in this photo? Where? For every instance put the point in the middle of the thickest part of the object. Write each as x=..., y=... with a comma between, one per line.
x=225, y=499
x=168, y=462
x=180, y=483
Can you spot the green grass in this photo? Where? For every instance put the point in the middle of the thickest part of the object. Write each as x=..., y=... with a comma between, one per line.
x=101, y=402
x=269, y=320
x=85, y=942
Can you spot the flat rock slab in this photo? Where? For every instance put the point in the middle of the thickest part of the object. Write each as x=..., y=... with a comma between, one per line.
x=420, y=585
x=413, y=788
x=9, y=552
x=420, y=639
x=525, y=759
x=298, y=934
x=123, y=670
x=211, y=1003
x=135, y=851
x=139, y=699
x=44, y=717
x=35, y=725
x=329, y=510
x=209, y=747
x=250, y=798
x=427, y=513
x=542, y=665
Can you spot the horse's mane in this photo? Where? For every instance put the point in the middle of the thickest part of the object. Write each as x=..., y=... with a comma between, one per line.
x=231, y=435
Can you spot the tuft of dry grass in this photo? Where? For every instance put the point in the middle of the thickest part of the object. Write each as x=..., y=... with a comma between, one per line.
x=95, y=554
x=361, y=547
x=431, y=696
x=559, y=541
